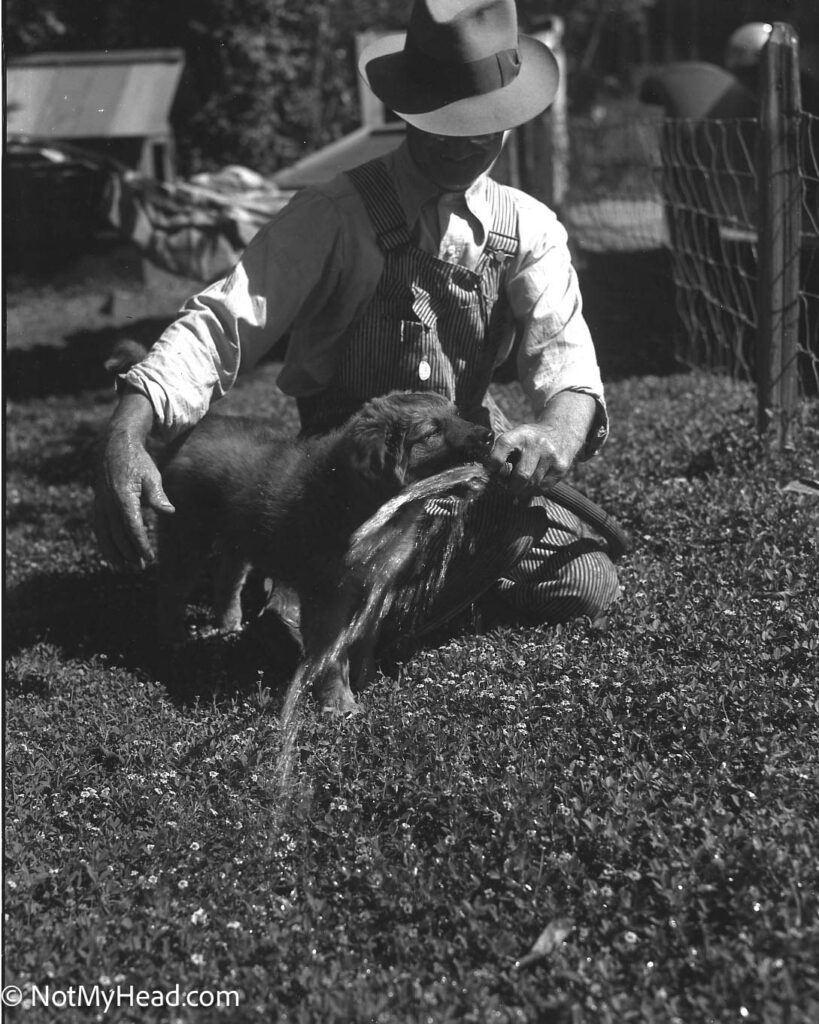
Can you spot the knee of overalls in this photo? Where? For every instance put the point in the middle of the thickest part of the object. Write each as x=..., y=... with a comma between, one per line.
x=562, y=586
x=593, y=578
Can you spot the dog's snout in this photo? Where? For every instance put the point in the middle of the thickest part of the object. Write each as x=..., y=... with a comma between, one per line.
x=480, y=441
x=482, y=438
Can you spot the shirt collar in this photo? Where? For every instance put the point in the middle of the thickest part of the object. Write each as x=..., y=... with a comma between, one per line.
x=414, y=190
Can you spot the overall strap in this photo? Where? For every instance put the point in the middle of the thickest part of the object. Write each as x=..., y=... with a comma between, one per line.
x=503, y=235
x=381, y=202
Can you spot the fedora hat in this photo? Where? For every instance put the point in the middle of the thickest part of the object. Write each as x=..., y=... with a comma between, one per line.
x=461, y=68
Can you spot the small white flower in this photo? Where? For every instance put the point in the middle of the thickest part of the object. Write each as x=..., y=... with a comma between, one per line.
x=199, y=916
x=630, y=938
x=183, y=883
x=233, y=925
x=194, y=846
x=197, y=960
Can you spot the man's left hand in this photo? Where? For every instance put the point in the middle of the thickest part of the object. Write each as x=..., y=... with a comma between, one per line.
x=530, y=458
x=533, y=457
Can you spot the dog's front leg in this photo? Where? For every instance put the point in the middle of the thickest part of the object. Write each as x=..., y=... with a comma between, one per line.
x=331, y=689
x=182, y=550
x=327, y=660
x=362, y=663
x=231, y=573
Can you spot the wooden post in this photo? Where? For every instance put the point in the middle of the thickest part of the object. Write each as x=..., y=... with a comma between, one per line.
x=544, y=151
x=779, y=229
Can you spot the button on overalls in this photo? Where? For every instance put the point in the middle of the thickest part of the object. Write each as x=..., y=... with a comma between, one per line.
x=437, y=326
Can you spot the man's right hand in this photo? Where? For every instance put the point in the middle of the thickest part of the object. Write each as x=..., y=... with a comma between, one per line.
x=127, y=480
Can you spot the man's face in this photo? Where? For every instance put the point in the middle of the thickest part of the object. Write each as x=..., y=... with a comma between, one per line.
x=453, y=163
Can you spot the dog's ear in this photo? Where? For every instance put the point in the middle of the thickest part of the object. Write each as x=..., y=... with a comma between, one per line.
x=378, y=450
x=398, y=451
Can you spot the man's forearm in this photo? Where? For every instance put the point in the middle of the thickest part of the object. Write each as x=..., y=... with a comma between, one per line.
x=569, y=415
x=134, y=415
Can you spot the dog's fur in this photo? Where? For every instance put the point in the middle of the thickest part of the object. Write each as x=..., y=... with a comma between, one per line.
x=288, y=508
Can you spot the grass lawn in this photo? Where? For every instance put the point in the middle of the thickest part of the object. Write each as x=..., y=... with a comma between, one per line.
x=640, y=803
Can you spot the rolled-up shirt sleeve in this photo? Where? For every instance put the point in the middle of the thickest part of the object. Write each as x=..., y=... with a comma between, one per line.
x=291, y=266
x=555, y=352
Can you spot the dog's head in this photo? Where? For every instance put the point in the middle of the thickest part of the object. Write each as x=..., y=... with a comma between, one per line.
x=407, y=436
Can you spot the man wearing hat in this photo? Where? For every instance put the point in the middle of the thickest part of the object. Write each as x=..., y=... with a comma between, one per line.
x=415, y=271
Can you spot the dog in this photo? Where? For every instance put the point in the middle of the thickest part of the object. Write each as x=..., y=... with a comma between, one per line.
x=288, y=508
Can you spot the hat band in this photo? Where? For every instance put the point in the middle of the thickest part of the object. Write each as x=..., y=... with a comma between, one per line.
x=470, y=78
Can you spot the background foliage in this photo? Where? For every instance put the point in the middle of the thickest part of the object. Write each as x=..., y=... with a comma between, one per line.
x=270, y=80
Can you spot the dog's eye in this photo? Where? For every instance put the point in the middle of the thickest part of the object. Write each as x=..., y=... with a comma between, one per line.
x=428, y=435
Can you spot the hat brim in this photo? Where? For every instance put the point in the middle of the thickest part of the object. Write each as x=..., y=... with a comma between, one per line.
x=384, y=68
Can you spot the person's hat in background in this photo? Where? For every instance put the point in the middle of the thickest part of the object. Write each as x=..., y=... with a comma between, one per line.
x=461, y=69
x=745, y=44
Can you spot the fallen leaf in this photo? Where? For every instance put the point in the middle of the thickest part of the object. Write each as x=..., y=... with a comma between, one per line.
x=552, y=936
x=803, y=486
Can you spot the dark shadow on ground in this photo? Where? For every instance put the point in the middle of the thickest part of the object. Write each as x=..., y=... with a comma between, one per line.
x=628, y=302
x=64, y=458
x=112, y=614
x=77, y=364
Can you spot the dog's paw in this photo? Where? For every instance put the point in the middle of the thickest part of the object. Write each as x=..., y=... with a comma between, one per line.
x=230, y=624
x=347, y=707
x=338, y=700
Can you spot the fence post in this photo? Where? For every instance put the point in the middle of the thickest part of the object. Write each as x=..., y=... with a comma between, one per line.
x=779, y=231
x=544, y=170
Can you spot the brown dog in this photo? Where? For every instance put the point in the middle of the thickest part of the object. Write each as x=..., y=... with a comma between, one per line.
x=289, y=507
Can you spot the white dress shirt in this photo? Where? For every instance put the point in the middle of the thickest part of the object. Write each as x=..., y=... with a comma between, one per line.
x=314, y=268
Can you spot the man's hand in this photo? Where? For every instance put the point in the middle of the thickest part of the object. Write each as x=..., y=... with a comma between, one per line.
x=533, y=457
x=127, y=479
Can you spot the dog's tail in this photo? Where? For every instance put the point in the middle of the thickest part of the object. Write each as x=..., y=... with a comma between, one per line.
x=125, y=354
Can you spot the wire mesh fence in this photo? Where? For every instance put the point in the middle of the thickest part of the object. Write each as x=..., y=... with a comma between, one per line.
x=613, y=201
x=702, y=188
x=708, y=179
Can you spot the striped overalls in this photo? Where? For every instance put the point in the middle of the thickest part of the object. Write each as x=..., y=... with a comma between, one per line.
x=437, y=326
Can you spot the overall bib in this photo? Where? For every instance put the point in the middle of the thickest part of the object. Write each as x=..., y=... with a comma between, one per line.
x=437, y=326
x=431, y=325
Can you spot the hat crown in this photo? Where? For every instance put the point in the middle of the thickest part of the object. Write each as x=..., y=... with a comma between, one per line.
x=745, y=44
x=455, y=32
x=462, y=68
